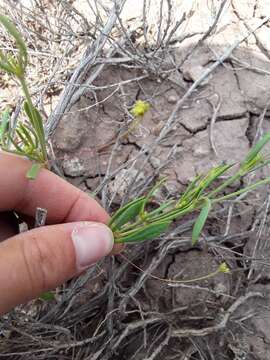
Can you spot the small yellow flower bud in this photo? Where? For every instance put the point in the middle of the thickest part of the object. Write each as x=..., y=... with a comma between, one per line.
x=140, y=108
x=224, y=268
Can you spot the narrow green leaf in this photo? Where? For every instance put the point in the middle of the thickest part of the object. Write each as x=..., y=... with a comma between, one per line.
x=6, y=67
x=126, y=213
x=200, y=222
x=13, y=142
x=29, y=113
x=242, y=191
x=189, y=190
x=18, y=39
x=33, y=171
x=174, y=213
x=37, y=124
x=215, y=174
x=3, y=56
x=160, y=209
x=4, y=124
x=256, y=149
x=147, y=232
x=47, y=296
x=27, y=134
x=151, y=193
x=24, y=140
x=212, y=175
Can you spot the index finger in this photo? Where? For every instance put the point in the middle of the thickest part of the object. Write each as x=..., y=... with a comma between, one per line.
x=63, y=201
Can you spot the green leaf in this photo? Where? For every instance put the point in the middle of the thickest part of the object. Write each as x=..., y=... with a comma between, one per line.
x=33, y=171
x=256, y=149
x=36, y=122
x=200, y=222
x=4, y=124
x=29, y=114
x=27, y=134
x=160, y=210
x=215, y=174
x=150, y=194
x=17, y=147
x=24, y=140
x=6, y=67
x=147, y=232
x=32, y=134
x=39, y=123
x=126, y=213
x=18, y=39
x=189, y=190
x=47, y=296
x=244, y=190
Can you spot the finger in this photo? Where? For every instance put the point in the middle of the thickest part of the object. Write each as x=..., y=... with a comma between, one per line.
x=43, y=258
x=63, y=201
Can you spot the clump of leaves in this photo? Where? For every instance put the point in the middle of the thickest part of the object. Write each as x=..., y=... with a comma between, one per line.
x=134, y=223
x=28, y=138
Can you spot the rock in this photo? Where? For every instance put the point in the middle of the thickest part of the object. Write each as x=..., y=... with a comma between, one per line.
x=254, y=85
x=191, y=265
x=73, y=167
x=158, y=292
x=194, y=65
x=72, y=128
x=172, y=96
x=263, y=38
x=93, y=183
x=177, y=135
x=245, y=8
x=172, y=99
x=224, y=83
x=197, y=157
x=194, y=72
x=177, y=79
x=196, y=116
x=97, y=164
x=258, y=336
x=262, y=8
x=122, y=181
x=172, y=185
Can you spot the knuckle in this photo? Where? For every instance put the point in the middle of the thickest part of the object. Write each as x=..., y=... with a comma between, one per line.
x=39, y=262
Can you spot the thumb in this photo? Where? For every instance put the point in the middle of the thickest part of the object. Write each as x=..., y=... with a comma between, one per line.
x=43, y=258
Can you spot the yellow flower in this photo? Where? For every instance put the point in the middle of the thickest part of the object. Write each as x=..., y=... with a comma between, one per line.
x=140, y=108
x=224, y=268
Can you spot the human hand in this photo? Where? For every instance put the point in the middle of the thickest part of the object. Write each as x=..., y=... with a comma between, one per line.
x=43, y=258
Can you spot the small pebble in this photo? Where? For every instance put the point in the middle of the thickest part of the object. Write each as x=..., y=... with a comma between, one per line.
x=172, y=99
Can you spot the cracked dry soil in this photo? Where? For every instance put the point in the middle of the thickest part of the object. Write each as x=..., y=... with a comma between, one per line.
x=84, y=142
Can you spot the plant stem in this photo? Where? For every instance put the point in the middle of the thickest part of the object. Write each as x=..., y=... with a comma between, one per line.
x=226, y=183
x=242, y=191
x=35, y=120
x=214, y=273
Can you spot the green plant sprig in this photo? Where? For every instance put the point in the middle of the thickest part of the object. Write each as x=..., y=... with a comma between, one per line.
x=28, y=138
x=134, y=223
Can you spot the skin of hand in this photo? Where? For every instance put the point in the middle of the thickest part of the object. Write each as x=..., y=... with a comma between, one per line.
x=74, y=238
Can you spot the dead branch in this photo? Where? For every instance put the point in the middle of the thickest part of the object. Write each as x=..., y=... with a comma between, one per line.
x=221, y=325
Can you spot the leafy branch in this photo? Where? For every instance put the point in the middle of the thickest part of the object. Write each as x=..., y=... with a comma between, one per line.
x=28, y=139
x=134, y=223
